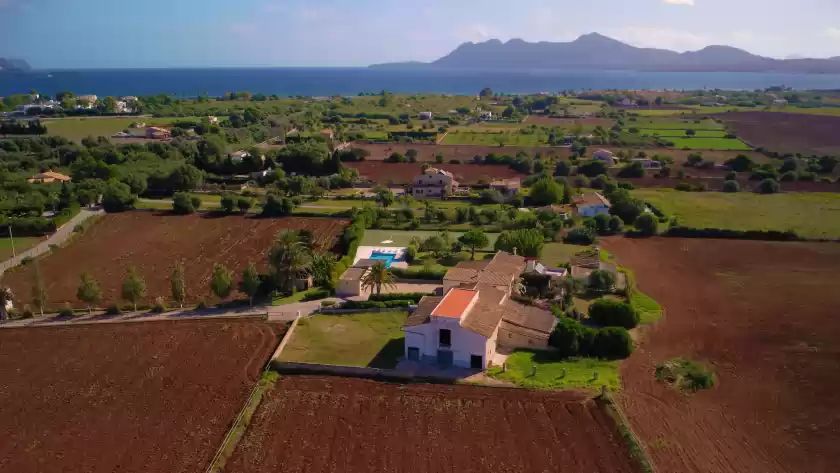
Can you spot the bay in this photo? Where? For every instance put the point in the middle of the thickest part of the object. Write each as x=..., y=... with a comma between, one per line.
x=351, y=81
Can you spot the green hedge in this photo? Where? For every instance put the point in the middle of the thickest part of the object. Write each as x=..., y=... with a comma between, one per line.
x=426, y=275
x=399, y=296
x=376, y=304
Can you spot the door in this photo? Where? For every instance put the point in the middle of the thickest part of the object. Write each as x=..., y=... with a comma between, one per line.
x=445, y=338
x=444, y=358
x=476, y=362
x=413, y=353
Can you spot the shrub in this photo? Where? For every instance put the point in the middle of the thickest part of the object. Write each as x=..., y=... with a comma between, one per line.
x=404, y=296
x=410, y=254
x=610, y=313
x=789, y=176
x=768, y=186
x=26, y=260
x=685, y=375
x=376, y=304
x=601, y=281
x=646, y=224
x=66, y=311
x=26, y=313
x=580, y=236
x=613, y=342
x=202, y=304
x=731, y=186
x=196, y=202
x=316, y=294
x=113, y=309
x=731, y=176
x=182, y=204
x=327, y=303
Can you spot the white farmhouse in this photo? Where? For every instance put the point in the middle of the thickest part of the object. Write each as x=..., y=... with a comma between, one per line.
x=486, y=116
x=425, y=115
x=476, y=316
x=605, y=156
x=592, y=204
x=434, y=183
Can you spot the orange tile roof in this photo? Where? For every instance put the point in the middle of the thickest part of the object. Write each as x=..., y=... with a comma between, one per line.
x=455, y=303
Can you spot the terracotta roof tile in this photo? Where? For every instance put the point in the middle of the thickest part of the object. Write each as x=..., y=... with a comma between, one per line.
x=424, y=311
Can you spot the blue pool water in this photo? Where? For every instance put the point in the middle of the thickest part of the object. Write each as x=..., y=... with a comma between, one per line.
x=388, y=258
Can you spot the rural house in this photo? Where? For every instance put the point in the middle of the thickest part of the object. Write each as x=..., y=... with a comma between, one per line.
x=647, y=163
x=157, y=133
x=486, y=116
x=605, y=156
x=434, y=182
x=48, y=176
x=425, y=115
x=592, y=204
x=507, y=187
x=476, y=316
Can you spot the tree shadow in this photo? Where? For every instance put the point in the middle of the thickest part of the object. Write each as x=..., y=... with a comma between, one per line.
x=389, y=354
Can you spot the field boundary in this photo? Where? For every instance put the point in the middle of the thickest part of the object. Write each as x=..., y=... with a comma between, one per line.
x=377, y=374
x=286, y=337
x=638, y=450
x=36, y=323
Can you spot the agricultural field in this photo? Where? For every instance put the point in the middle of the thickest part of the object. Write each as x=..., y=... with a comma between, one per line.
x=709, y=143
x=762, y=317
x=498, y=138
x=129, y=397
x=404, y=173
x=324, y=424
x=681, y=133
x=587, y=124
x=374, y=340
x=812, y=214
x=675, y=123
x=788, y=132
x=154, y=244
x=558, y=254
x=680, y=155
x=463, y=153
x=77, y=128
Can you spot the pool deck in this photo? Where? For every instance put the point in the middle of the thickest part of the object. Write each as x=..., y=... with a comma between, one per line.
x=365, y=252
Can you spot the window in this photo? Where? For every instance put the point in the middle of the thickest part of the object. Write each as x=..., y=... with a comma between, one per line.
x=445, y=337
x=476, y=362
x=413, y=353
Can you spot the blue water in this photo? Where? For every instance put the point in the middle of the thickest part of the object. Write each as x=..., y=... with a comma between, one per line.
x=350, y=81
x=386, y=257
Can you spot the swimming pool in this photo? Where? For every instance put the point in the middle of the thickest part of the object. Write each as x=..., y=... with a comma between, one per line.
x=387, y=258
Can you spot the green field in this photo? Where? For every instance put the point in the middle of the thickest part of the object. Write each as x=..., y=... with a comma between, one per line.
x=811, y=214
x=680, y=133
x=495, y=139
x=21, y=244
x=371, y=339
x=556, y=254
x=580, y=372
x=709, y=143
x=77, y=128
x=674, y=123
x=403, y=238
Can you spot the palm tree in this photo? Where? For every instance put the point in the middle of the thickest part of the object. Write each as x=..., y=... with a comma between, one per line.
x=377, y=276
x=290, y=258
x=6, y=296
x=322, y=267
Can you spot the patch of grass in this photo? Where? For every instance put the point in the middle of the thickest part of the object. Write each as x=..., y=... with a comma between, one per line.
x=809, y=214
x=685, y=375
x=402, y=238
x=579, y=372
x=367, y=339
x=77, y=128
x=296, y=297
x=680, y=133
x=560, y=253
x=649, y=310
x=709, y=143
x=21, y=244
x=497, y=138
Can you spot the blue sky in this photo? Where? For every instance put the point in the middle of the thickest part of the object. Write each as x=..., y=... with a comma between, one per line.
x=184, y=33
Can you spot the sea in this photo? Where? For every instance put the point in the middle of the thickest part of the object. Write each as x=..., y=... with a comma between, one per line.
x=352, y=81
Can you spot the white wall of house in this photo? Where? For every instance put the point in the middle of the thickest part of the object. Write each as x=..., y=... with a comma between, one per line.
x=421, y=192
x=593, y=210
x=464, y=342
x=348, y=288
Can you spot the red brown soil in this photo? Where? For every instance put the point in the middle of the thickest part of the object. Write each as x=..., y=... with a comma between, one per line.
x=153, y=243
x=127, y=397
x=322, y=424
x=763, y=315
x=787, y=132
x=464, y=153
x=404, y=173
x=568, y=122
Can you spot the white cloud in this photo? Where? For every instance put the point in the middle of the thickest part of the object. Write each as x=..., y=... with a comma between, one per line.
x=657, y=37
x=679, y=2
x=475, y=33
x=833, y=33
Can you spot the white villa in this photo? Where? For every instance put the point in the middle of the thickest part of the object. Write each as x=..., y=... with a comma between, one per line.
x=434, y=183
x=592, y=204
x=476, y=316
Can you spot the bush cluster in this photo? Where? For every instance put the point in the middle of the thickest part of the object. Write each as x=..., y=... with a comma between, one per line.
x=399, y=296
x=376, y=304
x=572, y=338
x=611, y=313
x=768, y=235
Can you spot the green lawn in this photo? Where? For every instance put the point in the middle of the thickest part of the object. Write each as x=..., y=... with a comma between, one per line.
x=369, y=339
x=403, y=238
x=580, y=372
x=811, y=214
x=674, y=124
x=680, y=133
x=21, y=244
x=296, y=297
x=77, y=128
x=709, y=143
x=493, y=139
x=556, y=254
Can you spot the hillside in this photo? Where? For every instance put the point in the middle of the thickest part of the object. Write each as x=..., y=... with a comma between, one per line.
x=14, y=65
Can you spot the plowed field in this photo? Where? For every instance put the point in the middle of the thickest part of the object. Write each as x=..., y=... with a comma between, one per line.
x=764, y=316
x=787, y=132
x=464, y=153
x=404, y=173
x=128, y=397
x=321, y=424
x=154, y=243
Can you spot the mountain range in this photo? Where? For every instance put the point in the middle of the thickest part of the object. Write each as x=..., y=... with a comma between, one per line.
x=596, y=51
x=14, y=65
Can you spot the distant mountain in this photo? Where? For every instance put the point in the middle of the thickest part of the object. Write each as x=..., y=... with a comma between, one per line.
x=14, y=65
x=596, y=51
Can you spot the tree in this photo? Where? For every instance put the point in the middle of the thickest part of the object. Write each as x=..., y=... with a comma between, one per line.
x=6, y=295
x=562, y=168
x=186, y=178
x=474, y=239
x=612, y=342
x=290, y=259
x=741, y=163
x=384, y=196
x=525, y=241
x=731, y=186
x=182, y=204
x=486, y=92
x=614, y=225
x=580, y=236
x=827, y=164
x=768, y=186
x=322, y=268
x=646, y=224
x=250, y=282
x=788, y=165
x=117, y=197
x=377, y=276
x=244, y=204
x=276, y=206
x=136, y=182
x=690, y=132
x=221, y=282
x=611, y=313
x=196, y=202
x=89, y=291
x=593, y=168
x=39, y=291
x=546, y=191
x=601, y=281
x=134, y=287
x=228, y=202
x=178, y=285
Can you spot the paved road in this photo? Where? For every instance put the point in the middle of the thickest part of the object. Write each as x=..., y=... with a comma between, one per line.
x=57, y=238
